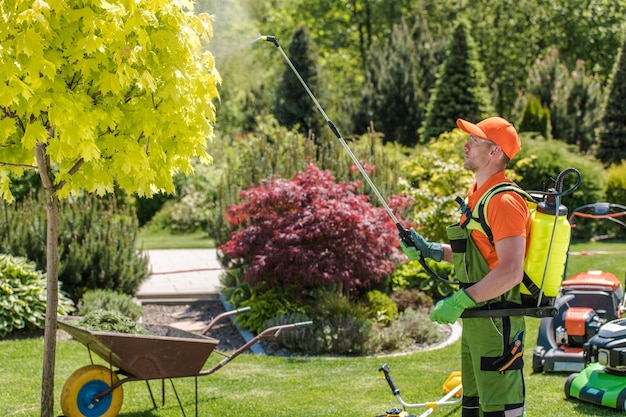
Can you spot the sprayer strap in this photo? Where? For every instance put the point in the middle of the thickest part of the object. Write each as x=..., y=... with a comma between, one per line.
x=531, y=286
x=481, y=208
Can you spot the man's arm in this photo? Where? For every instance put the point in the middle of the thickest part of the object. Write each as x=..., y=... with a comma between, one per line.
x=507, y=274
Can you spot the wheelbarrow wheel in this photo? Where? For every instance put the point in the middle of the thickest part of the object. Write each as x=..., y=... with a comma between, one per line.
x=77, y=396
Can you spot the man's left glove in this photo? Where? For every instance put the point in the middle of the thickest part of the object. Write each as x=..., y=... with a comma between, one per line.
x=450, y=309
x=421, y=247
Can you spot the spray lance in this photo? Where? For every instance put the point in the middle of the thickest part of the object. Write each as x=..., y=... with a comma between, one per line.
x=404, y=233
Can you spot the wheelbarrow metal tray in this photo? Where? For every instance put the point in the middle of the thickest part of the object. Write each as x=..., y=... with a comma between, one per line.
x=166, y=353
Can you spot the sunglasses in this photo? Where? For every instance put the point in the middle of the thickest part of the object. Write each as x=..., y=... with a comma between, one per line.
x=475, y=140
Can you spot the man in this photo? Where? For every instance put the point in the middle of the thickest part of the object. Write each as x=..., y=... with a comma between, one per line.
x=489, y=273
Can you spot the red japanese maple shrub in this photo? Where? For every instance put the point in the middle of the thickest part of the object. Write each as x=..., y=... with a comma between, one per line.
x=311, y=232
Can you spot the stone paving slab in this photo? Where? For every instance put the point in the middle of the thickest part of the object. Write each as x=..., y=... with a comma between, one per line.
x=181, y=275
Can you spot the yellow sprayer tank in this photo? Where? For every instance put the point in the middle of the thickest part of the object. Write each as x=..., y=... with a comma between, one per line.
x=537, y=262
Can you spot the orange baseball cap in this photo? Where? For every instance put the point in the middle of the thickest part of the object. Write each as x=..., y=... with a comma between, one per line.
x=497, y=130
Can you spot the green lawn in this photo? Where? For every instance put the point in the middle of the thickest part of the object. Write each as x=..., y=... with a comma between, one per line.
x=260, y=386
x=159, y=239
x=605, y=256
x=255, y=385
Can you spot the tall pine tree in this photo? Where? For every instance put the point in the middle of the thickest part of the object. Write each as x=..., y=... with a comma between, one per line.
x=461, y=88
x=400, y=74
x=612, y=136
x=293, y=105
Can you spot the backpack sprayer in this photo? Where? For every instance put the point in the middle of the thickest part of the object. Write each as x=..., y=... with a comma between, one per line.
x=547, y=216
x=548, y=244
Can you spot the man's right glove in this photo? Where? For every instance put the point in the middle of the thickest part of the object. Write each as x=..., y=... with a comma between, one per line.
x=450, y=309
x=421, y=247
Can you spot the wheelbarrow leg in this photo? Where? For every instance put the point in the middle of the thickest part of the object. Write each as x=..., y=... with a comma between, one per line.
x=196, y=383
x=180, y=404
x=151, y=394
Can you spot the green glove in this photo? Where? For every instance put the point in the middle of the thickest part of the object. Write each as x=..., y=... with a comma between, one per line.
x=450, y=309
x=421, y=247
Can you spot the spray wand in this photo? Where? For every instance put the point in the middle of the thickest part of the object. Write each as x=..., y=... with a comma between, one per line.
x=404, y=233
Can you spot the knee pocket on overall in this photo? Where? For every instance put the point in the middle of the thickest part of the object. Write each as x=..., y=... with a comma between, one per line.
x=512, y=359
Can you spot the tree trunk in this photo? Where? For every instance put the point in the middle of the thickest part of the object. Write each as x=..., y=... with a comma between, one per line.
x=52, y=295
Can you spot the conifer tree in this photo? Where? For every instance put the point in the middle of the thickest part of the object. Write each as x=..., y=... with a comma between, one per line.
x=400, y=75
x=535, y=117
x=461, y=88
x=293, y=105
x=612, y=136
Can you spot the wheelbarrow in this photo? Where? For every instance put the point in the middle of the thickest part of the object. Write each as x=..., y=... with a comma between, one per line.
x=452, y=387
x=166, y=353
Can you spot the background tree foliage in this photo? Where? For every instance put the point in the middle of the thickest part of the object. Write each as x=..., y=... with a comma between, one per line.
x=571, y=101
x=510, y=36
x=613, y=132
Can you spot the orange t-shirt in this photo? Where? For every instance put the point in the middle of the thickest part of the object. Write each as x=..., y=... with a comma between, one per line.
x=507, y=215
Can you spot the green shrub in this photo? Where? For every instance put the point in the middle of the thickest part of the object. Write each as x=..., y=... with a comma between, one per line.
x=539, y=163
x=110, y=321
x=340, y=326
x=412, y=327
x=381, y=307
x=433, y=178
x=616, y=183
x=109, y=300
x=535, y=117
x=264, y=307
x=298, y=340
x=191, y=208
x=615, y=194
x=341, y=335
x=96, y=242
x=23, y=296
x=411, y=298
x=413, y=276
x=336, y=335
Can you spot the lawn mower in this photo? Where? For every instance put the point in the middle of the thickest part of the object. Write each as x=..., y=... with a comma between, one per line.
x=586, y=301
x=452, y=388
x=603, y=380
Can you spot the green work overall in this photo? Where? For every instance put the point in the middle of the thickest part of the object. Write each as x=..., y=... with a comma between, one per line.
x=492, y=347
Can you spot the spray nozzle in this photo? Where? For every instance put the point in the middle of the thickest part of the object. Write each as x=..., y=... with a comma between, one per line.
x=270, y=39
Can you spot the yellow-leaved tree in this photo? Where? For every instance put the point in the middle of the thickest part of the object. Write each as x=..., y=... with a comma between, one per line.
x=97, y=93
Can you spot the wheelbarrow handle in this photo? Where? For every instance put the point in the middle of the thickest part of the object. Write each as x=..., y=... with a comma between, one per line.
x=222, y=316
x=272, y=332
x=268, y=333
